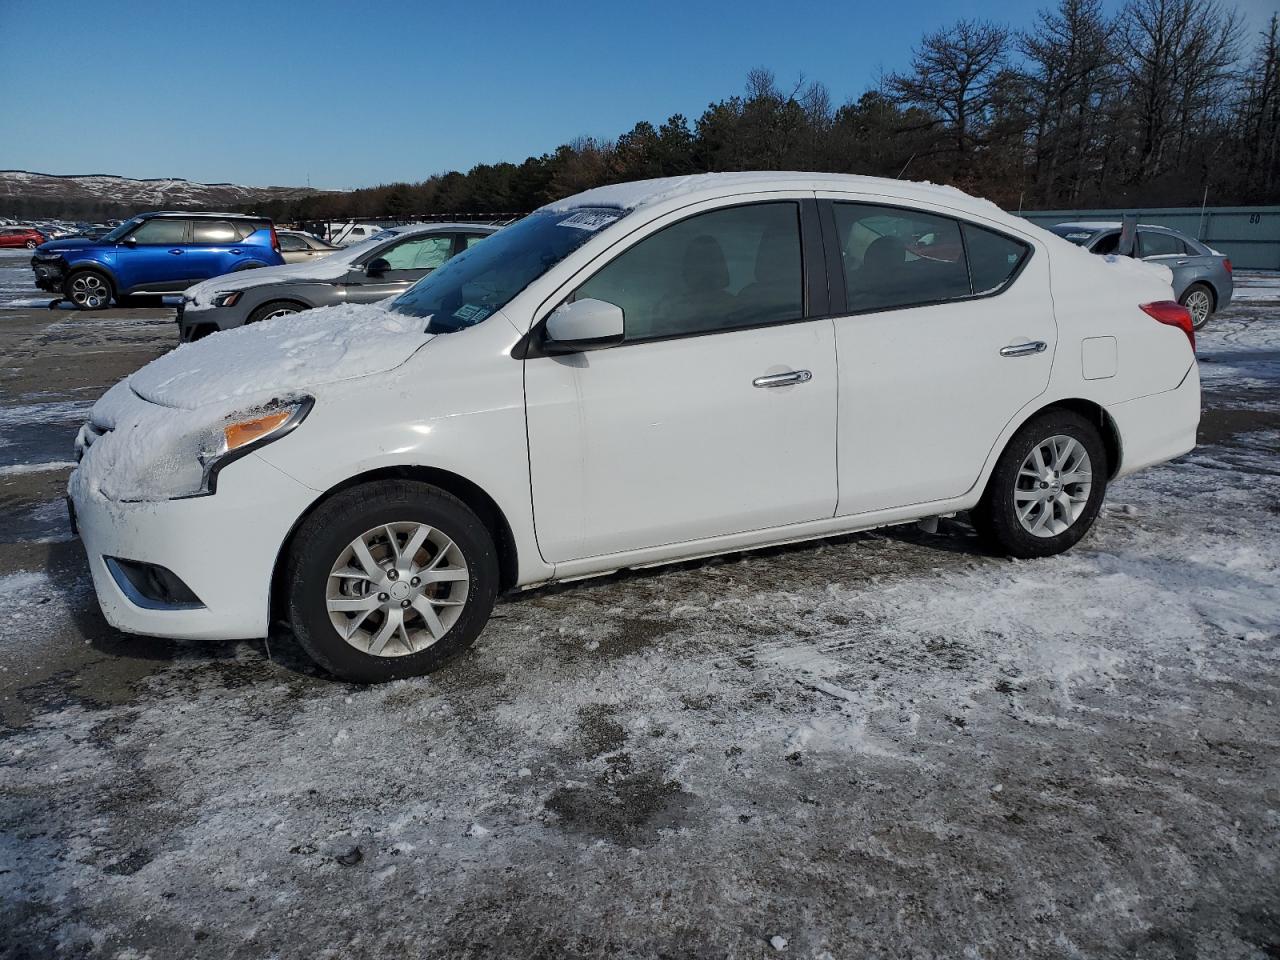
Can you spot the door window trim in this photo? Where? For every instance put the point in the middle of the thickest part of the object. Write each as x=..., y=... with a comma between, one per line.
x=835, y=264
x=188, y=226
x=815, y=285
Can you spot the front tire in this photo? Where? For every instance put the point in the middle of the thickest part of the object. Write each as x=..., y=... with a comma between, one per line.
x=1046, y=489
x=390, y=579
x=277, y=308
x=1198, y=298
x=88, y=290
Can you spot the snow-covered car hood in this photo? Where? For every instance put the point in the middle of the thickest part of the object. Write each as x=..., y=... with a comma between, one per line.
x=333, y=267
x=282, y=355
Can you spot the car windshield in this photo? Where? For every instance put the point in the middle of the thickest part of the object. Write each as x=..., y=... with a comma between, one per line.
x=121, y=230
x=1077, y=235
x=484, y=278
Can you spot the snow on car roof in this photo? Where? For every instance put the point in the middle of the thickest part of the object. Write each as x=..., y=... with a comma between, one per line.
x=1096, y=225
x=647, y=193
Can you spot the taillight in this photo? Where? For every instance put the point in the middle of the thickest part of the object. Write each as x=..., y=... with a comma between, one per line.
x=1226, y=265
x=275, y=241
x=1175, y=315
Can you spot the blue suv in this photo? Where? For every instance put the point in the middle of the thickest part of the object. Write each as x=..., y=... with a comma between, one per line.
x=154, y=253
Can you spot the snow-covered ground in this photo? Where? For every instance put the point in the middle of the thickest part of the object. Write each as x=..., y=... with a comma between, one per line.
x=876, y=746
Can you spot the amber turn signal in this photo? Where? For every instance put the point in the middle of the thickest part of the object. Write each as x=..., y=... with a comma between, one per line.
x=246, y=431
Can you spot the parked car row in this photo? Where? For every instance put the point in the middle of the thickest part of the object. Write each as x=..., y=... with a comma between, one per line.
x=635, y=375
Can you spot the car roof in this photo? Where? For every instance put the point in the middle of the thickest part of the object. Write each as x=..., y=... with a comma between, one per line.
x=202, y=213
x=650, y=193
x=1097, y=225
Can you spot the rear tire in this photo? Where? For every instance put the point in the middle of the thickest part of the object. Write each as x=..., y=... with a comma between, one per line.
x=31, y=244
x=1046, y=489
x=276, y=308
x=88, y=289
x=407, y=611
x=1198, y=298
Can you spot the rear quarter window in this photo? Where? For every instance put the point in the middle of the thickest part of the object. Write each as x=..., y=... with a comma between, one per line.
x=994, y=259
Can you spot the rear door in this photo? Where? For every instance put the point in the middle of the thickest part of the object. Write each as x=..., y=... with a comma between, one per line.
x=946, y=332
x=215, y=247
x=408, y=260
x=1169, y=251
x=716, y=415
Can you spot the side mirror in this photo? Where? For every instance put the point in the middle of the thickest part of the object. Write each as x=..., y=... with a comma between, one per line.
x=376, y=268
x=583, y=325
x=130, y=241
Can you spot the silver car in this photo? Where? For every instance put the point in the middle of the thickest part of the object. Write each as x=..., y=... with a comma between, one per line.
x=299, y=247
x=1201, y=275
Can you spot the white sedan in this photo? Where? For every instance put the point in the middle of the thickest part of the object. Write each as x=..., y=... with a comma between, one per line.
x=639, y=374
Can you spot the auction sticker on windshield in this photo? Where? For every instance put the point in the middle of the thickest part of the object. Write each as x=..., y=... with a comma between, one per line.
x=589, y=219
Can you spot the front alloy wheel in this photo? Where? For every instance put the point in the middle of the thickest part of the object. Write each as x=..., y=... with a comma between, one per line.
x=389, y=579
x=89, y=290
x=397, y=589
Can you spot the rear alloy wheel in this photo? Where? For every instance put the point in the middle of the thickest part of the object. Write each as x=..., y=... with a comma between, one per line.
x=390, y=579
x=88, y=290
x=268, y=311
x=1198, y=298
x=1046, y=489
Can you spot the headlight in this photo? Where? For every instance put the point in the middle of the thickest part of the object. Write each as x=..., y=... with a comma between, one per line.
x=227, y=298
x=244, y=432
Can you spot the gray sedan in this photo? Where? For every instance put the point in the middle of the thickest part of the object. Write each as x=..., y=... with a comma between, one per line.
x=1201, y=275
x=382, y=266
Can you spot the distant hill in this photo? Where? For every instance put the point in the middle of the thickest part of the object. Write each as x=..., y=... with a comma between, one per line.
x=95, y=196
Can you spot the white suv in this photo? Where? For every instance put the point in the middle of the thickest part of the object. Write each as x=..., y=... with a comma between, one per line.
x=639, y=374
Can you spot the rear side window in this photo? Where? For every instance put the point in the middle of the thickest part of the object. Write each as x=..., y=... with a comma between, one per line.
x=1107, y=245
x=214, y=231
x=993, y=258
x=291, y=243
x=161, y=230
x=726, y=269
x=899, y=258
x=1160, y=244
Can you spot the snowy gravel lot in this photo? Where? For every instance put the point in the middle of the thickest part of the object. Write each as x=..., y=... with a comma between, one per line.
x=884, y=745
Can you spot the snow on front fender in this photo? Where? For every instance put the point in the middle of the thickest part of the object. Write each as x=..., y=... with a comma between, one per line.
x=281, y=355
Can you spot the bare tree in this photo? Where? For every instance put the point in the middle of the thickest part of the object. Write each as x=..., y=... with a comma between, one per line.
x=953, y=76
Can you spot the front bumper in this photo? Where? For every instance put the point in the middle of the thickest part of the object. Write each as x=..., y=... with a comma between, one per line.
x=222, y=547
x=49, y=274
x=196, y=322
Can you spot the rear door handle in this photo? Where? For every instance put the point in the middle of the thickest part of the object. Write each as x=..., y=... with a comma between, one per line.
x=1024, y=349
x=783, y=379
x=236, y=252
x=176, y=253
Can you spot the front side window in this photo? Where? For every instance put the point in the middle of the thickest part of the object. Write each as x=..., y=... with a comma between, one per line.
x=483, y=279
x=899, y=258
x=161, y=230
x=726, y=269
x=474, y=238
x=291, y=243
x=418, y=253
x=1160, y=244
x=1107, y=245
x=214, y=231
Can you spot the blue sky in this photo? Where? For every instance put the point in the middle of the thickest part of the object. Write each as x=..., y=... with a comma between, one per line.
x=350, y=94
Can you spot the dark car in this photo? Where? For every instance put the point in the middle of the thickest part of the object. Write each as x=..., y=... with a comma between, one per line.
x=380, y=267
x=154, y=253
x=21, y=237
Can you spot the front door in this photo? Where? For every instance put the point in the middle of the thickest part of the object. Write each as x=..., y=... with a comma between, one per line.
x=948, y=332
x=158, y=259
x=408, y=261
x=715, y=416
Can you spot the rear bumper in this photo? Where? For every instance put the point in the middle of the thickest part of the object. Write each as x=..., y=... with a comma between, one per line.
x=222, y=547
x=1158, y=427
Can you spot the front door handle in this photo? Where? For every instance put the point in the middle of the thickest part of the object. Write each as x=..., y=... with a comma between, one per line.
x=176, y=253
x=783, y=379
x=1024, y=349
